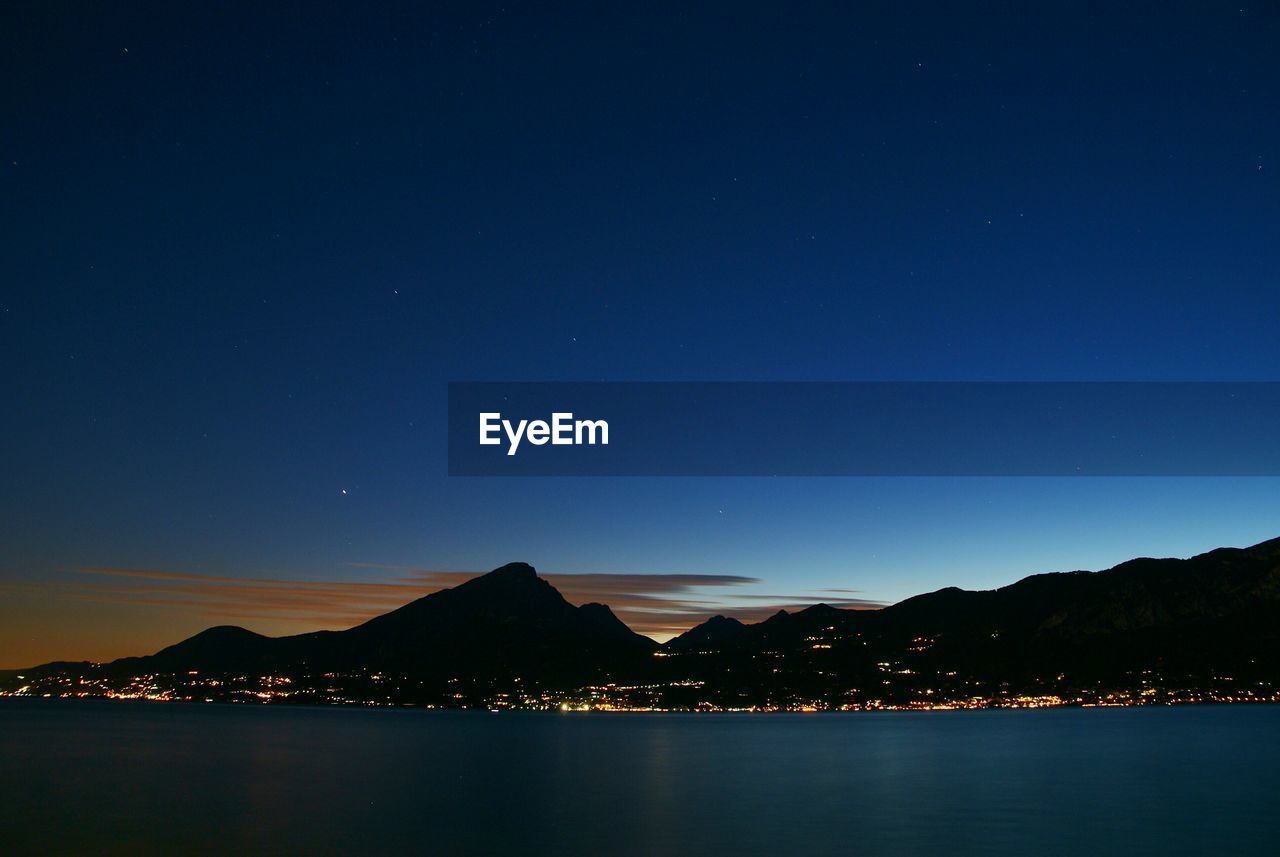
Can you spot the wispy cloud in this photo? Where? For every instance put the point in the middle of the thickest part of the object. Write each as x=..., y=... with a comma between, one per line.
x=660, y=605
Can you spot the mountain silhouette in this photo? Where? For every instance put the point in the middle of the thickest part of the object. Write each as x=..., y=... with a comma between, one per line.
x=1194, y=622
x=717, y=632
x=500, y=626
x=1208, y=622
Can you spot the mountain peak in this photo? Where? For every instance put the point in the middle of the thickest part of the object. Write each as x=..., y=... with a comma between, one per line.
x=513, y=571
x=715, y=632
x=515, y=580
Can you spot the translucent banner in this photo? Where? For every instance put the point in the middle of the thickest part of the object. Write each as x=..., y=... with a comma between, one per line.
x=864, y=429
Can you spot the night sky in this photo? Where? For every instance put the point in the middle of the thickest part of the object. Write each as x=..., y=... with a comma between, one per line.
x=245, y=250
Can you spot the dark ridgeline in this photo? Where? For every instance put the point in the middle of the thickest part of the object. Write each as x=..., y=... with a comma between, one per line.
x=506, y=625
x=1162, y=629
x=1206, y=625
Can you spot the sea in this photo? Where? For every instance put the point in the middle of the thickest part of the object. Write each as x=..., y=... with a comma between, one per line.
x=102, y=778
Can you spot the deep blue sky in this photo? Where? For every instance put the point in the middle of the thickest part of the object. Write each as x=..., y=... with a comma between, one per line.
x=245, y=250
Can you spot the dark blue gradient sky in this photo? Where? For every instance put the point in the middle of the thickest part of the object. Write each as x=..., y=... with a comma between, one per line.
x=246, y=249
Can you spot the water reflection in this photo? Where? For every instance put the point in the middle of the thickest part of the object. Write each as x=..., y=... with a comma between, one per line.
x=101, y=778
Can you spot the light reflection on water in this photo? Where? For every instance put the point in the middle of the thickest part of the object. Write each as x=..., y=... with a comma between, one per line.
x=112, y=778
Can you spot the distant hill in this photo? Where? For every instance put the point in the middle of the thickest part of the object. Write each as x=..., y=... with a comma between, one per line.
x=1194, y=622
x=497, y=627
x=1209, y=624
x=718, y=632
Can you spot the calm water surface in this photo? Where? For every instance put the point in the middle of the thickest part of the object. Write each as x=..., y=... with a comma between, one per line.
x=111, y=778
